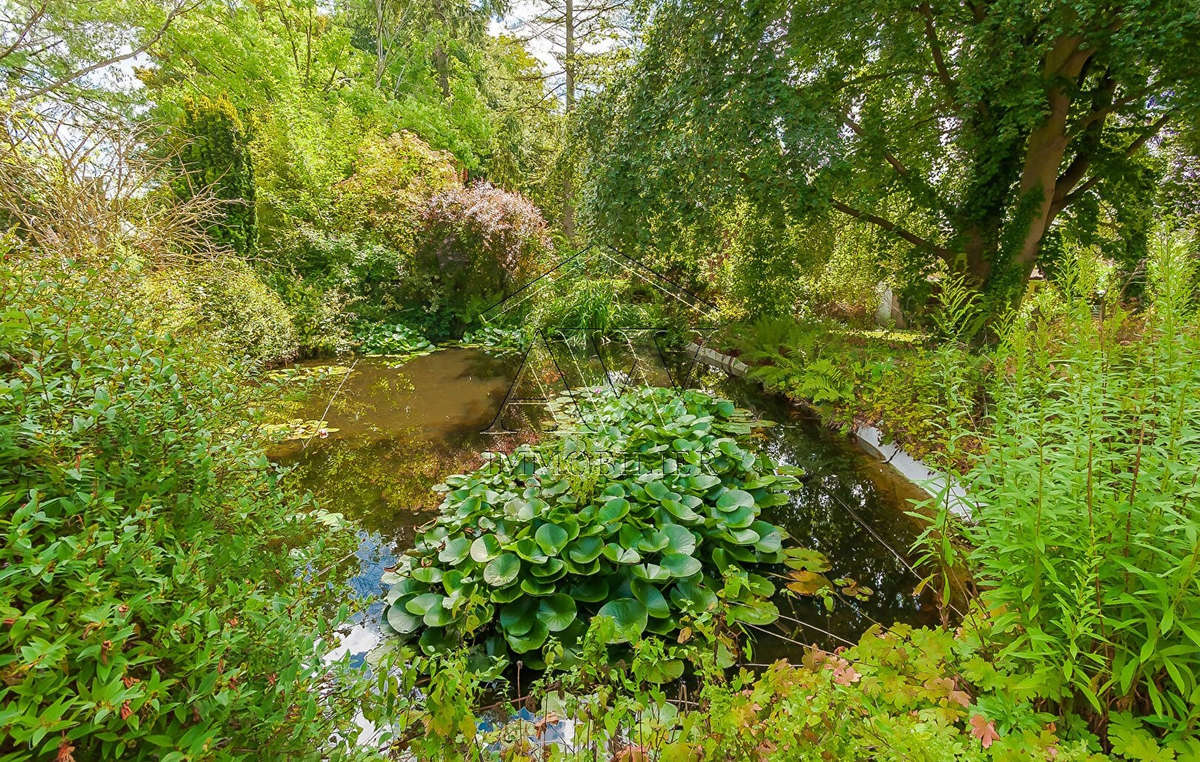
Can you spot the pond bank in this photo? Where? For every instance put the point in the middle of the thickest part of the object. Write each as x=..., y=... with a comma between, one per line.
x=869, y=437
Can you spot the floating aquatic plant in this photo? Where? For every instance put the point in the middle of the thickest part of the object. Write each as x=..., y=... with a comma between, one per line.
x=642, y=507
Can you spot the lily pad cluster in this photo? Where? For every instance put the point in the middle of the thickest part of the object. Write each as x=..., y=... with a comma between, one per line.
x=392, y=339
x=642, y=507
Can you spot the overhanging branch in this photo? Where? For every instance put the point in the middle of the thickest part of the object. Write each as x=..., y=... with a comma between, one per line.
x=893, y=228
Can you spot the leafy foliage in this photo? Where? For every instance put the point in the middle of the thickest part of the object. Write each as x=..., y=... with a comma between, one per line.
x=1086, y=543
x=156, y=584
x=477, y=242
x=392, y=339
x=214, y=158
x=642, y=510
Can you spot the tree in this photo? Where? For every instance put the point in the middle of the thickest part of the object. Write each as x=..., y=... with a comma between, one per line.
x=581, y=35
x=214, y=158
x=967, y=130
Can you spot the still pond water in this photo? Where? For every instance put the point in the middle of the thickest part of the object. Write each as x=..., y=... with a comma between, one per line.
x=399, y=428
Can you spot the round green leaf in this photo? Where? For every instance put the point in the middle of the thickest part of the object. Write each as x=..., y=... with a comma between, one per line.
x=402, y=621
x=556, y=612
x=613, y=509
x=455, y=551
x=485, y=548
x=551, y=538
x=585, y=549
x=735, y=498
x=529, y=641
x=428, y=574
x=680, y=565
x=517, y=618
x=422, y=603
x=629, y=616
x=680, y=540
x=502, y=570
x=651, y=598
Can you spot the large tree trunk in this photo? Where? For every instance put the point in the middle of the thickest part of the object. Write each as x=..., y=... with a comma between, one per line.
x=1043, y=159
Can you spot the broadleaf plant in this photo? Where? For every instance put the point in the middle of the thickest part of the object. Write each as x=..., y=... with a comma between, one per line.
x=532, y=546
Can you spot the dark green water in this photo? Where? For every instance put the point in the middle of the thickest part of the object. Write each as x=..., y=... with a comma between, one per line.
x=402, y=428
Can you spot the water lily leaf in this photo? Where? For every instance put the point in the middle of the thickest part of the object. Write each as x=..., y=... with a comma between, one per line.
x=421, y=603
x=438, y=615
x=685, y=445
x=807, y=582
x=665, y=671
x=681, y=511
x=485, y=548
x=653, y=540
x=629, y=617
x=507, y=594
x=428, y=574
x=585, y=549
x=529, y=641
x=652, y=572
x=537, y=587
x=743, y=536
x=551, y=538
x=520, y=510
x=806, y=559
x=680, y=540
x=402, y=621
x=528, y=550
x=613, y=509
x=553, y=569
x=735, y=498
x=680, y=565
x=518, y=618
x=757, y=613
x=729, y=447
x=740, y=517
x=455, y=551
x=704, y=481
x=692, y=596
x=557, y=612
x=657, y=490
x=770, y=540
x=618, y=555
x=453, y=580
x=725, y=408
x=590, y=590
x=654, y=601
x=502, y=570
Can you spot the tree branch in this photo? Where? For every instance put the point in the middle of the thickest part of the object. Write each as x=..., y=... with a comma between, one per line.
x=935, y=47
x=892, y=228
x=178, y=10
x=1065, y=199
x=25, y=29
x=896, y=163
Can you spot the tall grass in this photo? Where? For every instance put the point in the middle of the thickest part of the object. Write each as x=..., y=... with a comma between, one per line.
x=1087, y=541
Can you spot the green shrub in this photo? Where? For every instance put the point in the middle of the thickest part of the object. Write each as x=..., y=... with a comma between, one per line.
x=225, y=302
x=644, y=509
x=158, y=588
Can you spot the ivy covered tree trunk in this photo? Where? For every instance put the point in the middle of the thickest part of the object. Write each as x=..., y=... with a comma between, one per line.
x=213, y=157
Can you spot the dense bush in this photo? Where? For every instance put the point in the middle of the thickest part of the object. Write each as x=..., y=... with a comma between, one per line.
x=157, y=586
x=477, y=242
x=213, y=157
x=224, y=301
x=644, y=510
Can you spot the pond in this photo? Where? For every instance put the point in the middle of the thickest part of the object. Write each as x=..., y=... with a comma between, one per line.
x=398, y=428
